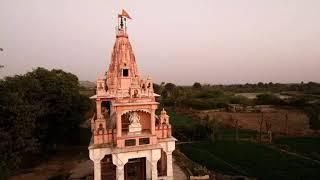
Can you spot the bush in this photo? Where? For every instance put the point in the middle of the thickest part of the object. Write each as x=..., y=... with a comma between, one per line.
x=196, y=85
x=313, y=113
x=268, y=99
x=240, y=100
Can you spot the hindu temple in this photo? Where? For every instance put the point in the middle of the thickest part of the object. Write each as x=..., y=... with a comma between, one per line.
x=130, y=141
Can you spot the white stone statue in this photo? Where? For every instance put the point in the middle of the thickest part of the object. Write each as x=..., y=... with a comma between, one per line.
x=135, y=126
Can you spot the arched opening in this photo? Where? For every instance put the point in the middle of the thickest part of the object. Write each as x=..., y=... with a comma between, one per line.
x=162, y=164
x=145, y=121
x=135, y=169
x=105, y=108
x=108, y=169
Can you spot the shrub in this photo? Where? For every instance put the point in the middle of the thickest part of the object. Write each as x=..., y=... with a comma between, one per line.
x=268, y=99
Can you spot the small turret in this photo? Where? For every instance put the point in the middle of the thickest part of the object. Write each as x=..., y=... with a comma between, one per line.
x=164, y=118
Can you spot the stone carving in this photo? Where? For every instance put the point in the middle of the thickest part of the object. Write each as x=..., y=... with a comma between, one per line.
x=135, y=126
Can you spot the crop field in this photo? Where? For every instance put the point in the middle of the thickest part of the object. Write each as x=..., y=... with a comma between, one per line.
x=297, y=120
x=308, y=146
x=250, y=159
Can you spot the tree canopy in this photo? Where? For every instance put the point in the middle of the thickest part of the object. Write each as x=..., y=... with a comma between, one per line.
x=37, y=110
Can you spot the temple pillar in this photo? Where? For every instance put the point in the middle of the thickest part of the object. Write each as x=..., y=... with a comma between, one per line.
x=169, y=165
x=119, y=160
x=154, y=171
x=97, y=170
x=155, y=156
x=148, y=169
x=96, y=155
x=153, y=121
x=120, y=172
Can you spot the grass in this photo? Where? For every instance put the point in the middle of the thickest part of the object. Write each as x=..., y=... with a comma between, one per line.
x=250, y=159
x=308, y=146
x=229, y=133
x=178, y=119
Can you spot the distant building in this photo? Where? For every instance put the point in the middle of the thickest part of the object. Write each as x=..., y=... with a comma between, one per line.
x=129, y=141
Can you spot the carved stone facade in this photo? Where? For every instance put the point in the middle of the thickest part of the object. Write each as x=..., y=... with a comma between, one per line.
x=125, y=129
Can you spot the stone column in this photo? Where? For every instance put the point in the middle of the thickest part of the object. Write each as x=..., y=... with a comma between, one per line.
x=155, y=156
x=148, y=169
x=119, y=126
x=153, y=122
x=169, y=165
x=96, y=155
x=120, y=172
x=119, y=160
x=97, y=170
x=154, y=170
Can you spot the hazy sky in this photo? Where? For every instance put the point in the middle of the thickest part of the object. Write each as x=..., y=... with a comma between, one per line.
x=179, y=41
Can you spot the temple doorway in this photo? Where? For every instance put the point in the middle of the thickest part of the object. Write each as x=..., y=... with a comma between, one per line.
x=135, y=169
x=108, y=169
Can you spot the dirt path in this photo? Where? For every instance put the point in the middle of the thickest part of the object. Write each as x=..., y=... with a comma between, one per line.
x=60, y=165
x=178, y=174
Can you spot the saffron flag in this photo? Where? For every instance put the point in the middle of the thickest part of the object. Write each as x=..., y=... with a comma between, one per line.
x=124, y=14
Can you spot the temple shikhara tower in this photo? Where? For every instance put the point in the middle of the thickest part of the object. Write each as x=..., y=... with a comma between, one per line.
x=129, y=140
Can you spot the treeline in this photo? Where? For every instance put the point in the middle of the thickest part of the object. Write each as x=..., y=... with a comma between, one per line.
x=38, y=110
x=219, y=96
x=204, y=97
x=308, y=88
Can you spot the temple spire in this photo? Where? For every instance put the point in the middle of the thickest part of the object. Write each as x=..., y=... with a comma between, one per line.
x=122, y=22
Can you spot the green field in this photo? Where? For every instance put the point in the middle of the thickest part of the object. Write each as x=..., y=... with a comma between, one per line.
x=308, y=146
x=178, y=119
x=181, y=122
x=250, y=159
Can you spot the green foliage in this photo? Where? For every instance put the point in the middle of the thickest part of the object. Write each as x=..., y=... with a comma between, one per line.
x=199, y=98
x=204, y=97
x=250, y=159
x=309, y=146
x=187, y=129
x=178, y=119
x=18, y=112
x=196, y=85
x=240, y=100
x=156, y=88
x=310, y=87
x=38, y=110
x=313, y=113
x=268, y=99
x=169, y=87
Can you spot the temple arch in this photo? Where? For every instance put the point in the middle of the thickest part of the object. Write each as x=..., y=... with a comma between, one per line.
x=145, y=120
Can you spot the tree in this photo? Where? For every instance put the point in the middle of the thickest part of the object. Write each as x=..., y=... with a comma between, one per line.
x=268, y=99
x=197, y=85
x=37, y=110
x=313, y=113
x=169, y=87
x=156, y=88
x=18, y=113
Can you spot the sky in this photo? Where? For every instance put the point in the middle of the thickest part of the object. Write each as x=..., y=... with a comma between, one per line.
x=178, y=41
